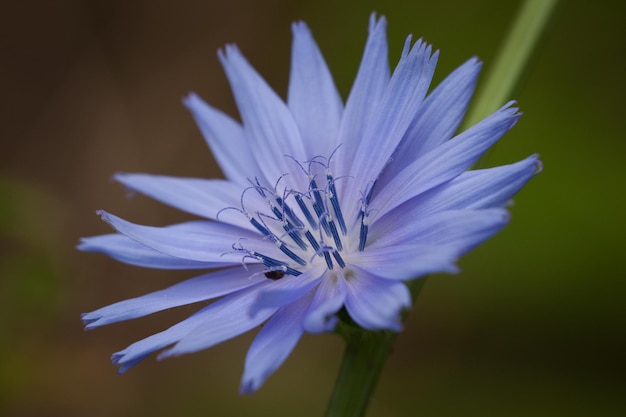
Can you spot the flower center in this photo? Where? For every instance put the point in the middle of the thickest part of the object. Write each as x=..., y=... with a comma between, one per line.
x=306, y=226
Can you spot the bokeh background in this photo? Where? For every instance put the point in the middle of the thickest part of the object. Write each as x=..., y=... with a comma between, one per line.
x=534, y=326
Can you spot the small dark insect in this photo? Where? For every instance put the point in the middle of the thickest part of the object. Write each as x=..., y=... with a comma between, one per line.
x=274, y=274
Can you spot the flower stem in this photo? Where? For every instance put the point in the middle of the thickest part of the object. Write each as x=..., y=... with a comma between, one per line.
x=515, y=52
x=363, y=360
x=366, y=351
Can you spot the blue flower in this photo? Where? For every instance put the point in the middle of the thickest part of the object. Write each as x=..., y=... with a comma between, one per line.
x=325, y=205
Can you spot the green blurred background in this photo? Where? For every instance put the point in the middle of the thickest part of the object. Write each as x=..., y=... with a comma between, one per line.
x=534, y=326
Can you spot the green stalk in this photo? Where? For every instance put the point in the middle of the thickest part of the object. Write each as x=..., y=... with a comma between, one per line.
x=510, y=62
x=363, y=360
x=366, y=352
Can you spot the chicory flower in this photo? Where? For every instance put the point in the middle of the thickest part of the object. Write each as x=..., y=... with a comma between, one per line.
x=325, y=206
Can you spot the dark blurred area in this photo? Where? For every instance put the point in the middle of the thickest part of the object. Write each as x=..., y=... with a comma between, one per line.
x=534, y=325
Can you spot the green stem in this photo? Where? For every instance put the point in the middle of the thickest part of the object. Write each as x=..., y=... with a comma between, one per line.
x=363, y=360
x=514, y=53
x=366, y=352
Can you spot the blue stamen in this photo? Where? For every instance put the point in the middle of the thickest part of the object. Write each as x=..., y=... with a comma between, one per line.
x=335, y=234
x=287, y=225
x=316, y=193
x=293, y=234
x=339, y=259
x=258, y=226
x=305, y=210
x=267, y=261
x=272, y=263
x=277, y=213
x=363, y=233
x=319, y=210
x=329, y=262
x=289, y=212
x=284, y=249
x=318, y=206
x=364, y=225
x=335, y=204
x=312, y=241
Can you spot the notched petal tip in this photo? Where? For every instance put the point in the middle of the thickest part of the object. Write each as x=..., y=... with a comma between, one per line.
x=538, y=164
x=231, y=50
x=474, y=60
x=117, y=357
x=248, y=387
x=407, y=45
x=195, y=104
x=83, y=245
x=103, y=215
x=510, y=109
x=377, y=23
x=227, y=52
x=191, y=98
x=90, y=320
x=124, y=178
x=300, y=27
x=123, y=362
x=106, y=217
x=434, y=56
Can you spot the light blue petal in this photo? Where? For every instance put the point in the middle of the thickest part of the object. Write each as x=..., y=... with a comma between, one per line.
x=313, y=98
x=230, y=316
x=437, y=120
x=198, y=241
x=375, y=303
x=124, y=249
x=286, y=290
x=479, y=189
x=472, y=190
x=444, y=162
x=403, y=262
x=273, y=345
x=141, y=349
x=385, y=128
x=460, y=229
x=225, y=137
x=202, y=288
x=205, y=198
x=329, y=297
x=365, y=95
x=443, y=111
x=236, y=304
x=266, y=119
